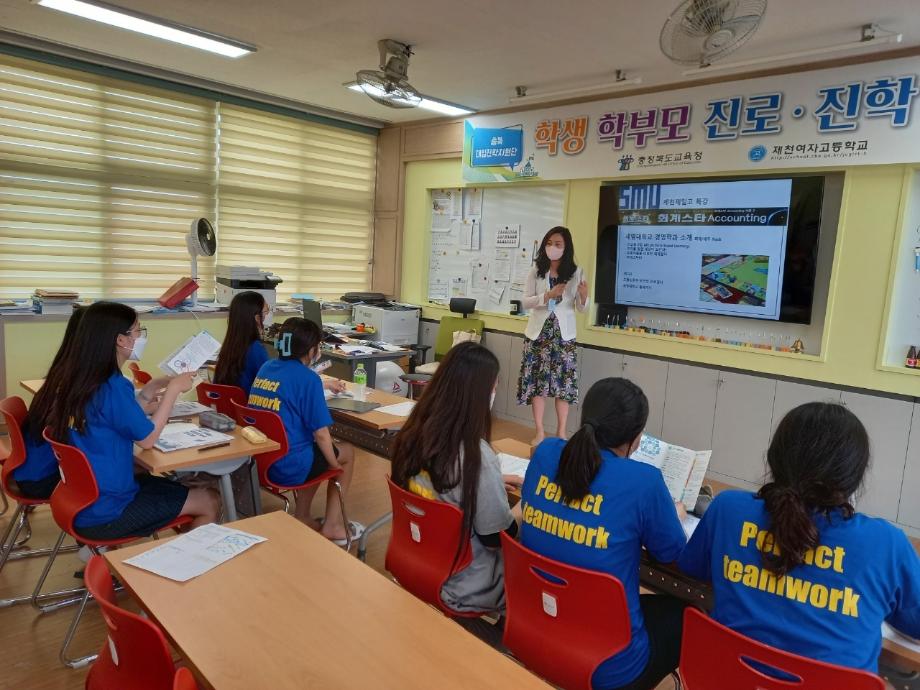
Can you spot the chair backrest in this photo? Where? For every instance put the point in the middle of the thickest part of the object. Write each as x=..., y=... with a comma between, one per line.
x=547, y=601
x=712, y=655
x=139, y=375
x=221, y=397
x=184, y=680
x=450, y=325
x=423, y=544
x=135, y=655
x=270, y=424
x=76, y=490
x=14, y=411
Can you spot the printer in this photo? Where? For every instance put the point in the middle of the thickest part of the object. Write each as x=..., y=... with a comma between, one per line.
x=234, y=279
x=395, y=323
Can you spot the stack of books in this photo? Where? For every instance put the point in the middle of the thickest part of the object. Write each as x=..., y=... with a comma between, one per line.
x=53, y=301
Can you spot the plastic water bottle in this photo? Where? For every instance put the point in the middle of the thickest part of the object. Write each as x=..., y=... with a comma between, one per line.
x=360, y=381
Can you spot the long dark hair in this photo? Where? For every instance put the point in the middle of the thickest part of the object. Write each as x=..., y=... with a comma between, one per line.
x=35, y=420
x=818, y=458
x=566, y=263
x=614, y=413
x=74, y=383
x=297, y=338
x=242, y=331
x=451, y=418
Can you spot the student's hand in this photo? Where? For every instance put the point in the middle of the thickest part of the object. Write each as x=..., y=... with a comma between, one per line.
x=681, y=510
x=182, y=382
x=582, y=292
x=334, y=385
x=513, y=482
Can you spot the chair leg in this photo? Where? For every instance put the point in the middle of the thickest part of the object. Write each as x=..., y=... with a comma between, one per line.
x=11, y=534
x=375, y=525
x=27, y=525
x=6, y=503
x=675, y=676
x=287, y=502
x=82, y=661
x=37, y=597
x=338, y=489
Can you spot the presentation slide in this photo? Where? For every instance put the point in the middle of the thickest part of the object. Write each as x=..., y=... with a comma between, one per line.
x=714, y=247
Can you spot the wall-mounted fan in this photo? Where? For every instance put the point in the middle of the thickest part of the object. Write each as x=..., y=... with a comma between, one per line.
x=699, y=32
x=390, y=85
x=201, y=241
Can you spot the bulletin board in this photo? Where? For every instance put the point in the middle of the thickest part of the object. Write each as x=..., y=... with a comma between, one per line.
x=484, y=240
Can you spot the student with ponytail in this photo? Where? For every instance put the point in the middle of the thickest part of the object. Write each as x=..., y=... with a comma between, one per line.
x=794, y=565
x=585, y=503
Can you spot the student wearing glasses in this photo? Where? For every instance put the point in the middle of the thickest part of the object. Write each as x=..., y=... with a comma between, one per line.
x=97, y=411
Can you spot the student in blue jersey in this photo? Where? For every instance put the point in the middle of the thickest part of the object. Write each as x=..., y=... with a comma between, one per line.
x=95, y=409
x=289, y=386
x=585, y=503
x=242, y=353
x=443, y=453
x=794, y=565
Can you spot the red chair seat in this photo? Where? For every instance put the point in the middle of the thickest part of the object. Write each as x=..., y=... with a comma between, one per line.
x=220, y=397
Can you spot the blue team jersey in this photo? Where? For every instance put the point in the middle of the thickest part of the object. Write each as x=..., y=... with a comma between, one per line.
x=256, y=356
x=628, y=507
x=831, y=607
x=295, y=392
x=114, y=421
x=40, y=461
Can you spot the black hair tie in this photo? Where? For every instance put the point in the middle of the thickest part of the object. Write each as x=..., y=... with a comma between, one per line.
x=590, y=424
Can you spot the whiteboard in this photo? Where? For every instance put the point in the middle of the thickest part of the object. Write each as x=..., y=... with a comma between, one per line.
x=483, y=241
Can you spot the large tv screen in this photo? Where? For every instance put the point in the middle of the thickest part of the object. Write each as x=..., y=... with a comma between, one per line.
x=740, y=247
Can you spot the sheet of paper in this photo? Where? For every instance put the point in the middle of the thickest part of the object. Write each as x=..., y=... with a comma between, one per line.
x=501, y=265
x=495, y=294
x=195, y=552
x=479, y=276
x=689, y=524
x=890, y=633
x=187, y=408
x=438, y=289
x=696, y=478
x=446, y=207
x=511, y=464
x=472, y=204
x=469, y=236
x=458, y=286
x=398, y=409
x=199, y=437
x=357, y=349
x=191, y=355
x=508, y=235
x=674, y=462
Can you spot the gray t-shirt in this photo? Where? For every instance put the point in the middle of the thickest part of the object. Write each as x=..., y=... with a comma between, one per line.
x=479, y=586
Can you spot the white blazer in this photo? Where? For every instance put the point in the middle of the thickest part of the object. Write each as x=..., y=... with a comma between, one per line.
x=534, y=292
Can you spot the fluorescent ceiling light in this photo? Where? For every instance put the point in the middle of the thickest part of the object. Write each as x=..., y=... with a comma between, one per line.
x=870, y=38
x=427, y=103
x=151, y=26
x=523, y=97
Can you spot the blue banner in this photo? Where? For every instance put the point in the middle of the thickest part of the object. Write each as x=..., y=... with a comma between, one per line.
x=497, y=147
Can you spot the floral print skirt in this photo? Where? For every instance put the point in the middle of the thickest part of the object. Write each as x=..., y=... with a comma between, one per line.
x=549, y=367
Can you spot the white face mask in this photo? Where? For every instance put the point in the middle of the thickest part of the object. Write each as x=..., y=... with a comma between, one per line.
x=554, y=253
x=267, y=319
x=138, y=350
x=491, y=400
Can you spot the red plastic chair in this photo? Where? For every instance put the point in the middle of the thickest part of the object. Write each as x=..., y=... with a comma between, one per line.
x=76, y=491
x=184, y=680
x=423, y=546
x=270, y=424
x=13, y=410
x=540, y=612
x=713, y=656
x=140, y=377
x=136, y=654
x=220, y=397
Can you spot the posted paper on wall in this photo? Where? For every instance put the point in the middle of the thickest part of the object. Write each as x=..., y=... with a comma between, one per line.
x=195, y=552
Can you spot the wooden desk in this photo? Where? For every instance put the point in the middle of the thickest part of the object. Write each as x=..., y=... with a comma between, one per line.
x=298, y=612
x=32, y=385
x=373, y=431
x=220, y=461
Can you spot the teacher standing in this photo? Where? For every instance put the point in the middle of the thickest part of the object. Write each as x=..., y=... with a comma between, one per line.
x=549, y=368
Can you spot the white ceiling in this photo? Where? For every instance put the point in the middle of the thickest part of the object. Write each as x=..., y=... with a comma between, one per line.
x=471, y=52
